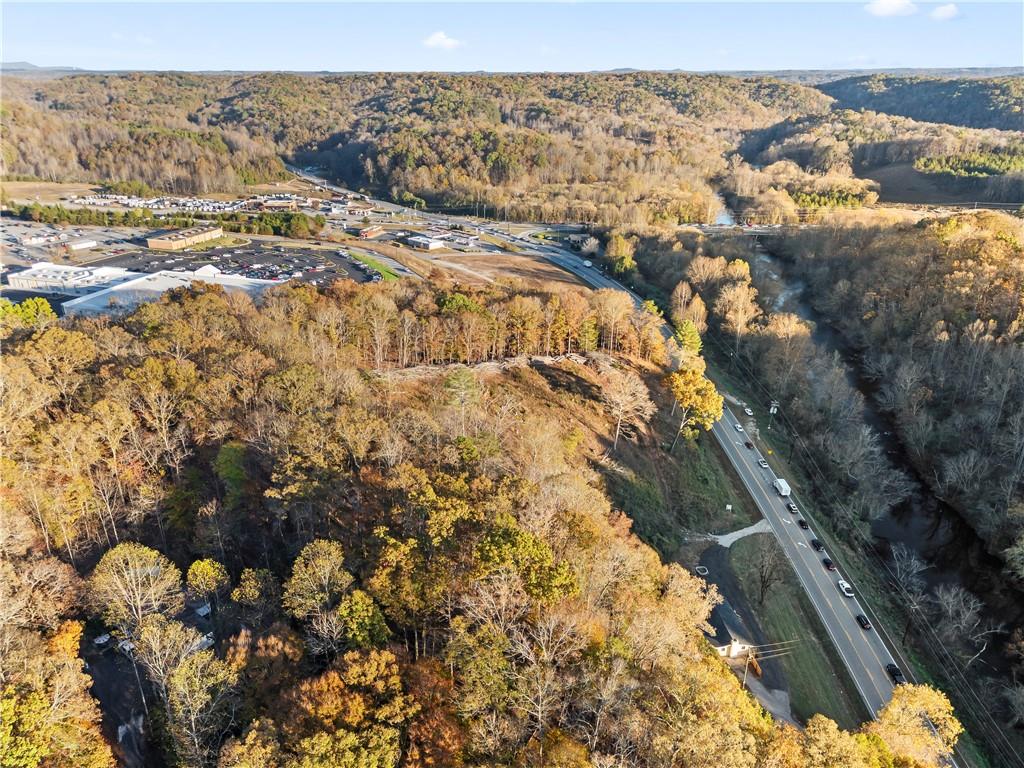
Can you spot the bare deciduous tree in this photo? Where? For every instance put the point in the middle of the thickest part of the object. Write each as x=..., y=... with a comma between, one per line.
x=627, y=399
x=770, y=567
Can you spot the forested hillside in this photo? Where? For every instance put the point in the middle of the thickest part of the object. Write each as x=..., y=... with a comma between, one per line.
x=820, y=161
x=996, y=102
x=635, y=148
x=938, y=311
x=628, y=149
x=409, y=557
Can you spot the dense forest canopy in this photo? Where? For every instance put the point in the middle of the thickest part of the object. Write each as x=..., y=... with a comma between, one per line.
x=996, y=102
x=409, y=562
x=628, y=149
x=938, y=310
x=615, y=148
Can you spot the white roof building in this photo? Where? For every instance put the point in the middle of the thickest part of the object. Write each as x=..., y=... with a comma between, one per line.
x=126, y=296
x=81, y=245
x=424, y=243
x=65, y=280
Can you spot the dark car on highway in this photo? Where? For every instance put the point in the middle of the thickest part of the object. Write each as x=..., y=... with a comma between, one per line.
x=896, y=674
x=863, y=621
x=749, y=445
x=827, y=562
x=817, y=545
x=803, y=523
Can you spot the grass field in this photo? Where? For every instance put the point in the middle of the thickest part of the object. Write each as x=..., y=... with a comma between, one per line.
x=45, y=192
x=900, y=183
x=386, y=272
x=221, y=242
x=817, y=680
x=508, y=246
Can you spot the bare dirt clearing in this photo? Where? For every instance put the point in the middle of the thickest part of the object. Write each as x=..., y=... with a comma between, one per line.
x=532, y=270
x=47, y=192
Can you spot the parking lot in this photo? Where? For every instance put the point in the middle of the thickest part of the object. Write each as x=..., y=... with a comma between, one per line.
x=263, y=261
x=15, y=251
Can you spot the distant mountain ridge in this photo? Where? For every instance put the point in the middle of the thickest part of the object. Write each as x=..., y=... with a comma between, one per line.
x=994, y=102
x=811, y=77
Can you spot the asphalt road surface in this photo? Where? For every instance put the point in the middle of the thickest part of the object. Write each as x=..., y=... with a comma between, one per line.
x=862, y=651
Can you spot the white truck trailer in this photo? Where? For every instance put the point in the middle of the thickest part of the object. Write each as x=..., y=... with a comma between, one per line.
x=781, y=486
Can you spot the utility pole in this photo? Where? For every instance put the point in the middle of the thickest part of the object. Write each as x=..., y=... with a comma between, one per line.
x=772, y=410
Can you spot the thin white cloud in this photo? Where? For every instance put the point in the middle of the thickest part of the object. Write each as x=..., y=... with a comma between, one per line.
x=441, y=40
x=890, y=8
x=945, y=12
x=144, y=40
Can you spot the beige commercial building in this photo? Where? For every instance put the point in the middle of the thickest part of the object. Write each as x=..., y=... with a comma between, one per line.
x=175, y=240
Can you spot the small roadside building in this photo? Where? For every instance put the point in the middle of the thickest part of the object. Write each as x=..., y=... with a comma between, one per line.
x=729, y=640
x=374, y=230
x=422, y=243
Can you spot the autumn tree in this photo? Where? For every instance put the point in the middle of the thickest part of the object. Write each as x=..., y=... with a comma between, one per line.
x=699, y=403
x=258, y=593
x=620, y=251
x=918, y=724
x=200, y=694
x=737, y=305
x=826, y=746
x=207, y=579
x=132, y=581
x=626, y=399
x=315, y=592
x=160, y=646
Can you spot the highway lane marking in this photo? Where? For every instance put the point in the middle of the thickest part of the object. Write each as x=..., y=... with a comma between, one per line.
x=800, y=543
x=768, y=504
x=727, y=443
x=872, y=642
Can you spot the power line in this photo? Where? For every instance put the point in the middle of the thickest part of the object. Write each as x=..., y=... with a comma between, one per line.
x=945, y=659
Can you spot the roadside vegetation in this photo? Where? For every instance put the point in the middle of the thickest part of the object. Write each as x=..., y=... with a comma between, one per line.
x=901, y=294
x=383, y=269
x=816, y=678
x=407, y=552
x=294, y=225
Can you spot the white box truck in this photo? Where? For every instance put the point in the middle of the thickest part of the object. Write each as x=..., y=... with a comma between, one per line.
x=781, y=486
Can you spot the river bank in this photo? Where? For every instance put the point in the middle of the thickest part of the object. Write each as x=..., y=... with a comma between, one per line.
x=936, y=532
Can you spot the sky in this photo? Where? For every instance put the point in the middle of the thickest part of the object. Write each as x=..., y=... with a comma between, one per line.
x=533, y=36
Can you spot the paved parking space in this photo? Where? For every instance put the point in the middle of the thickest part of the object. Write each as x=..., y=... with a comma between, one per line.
x=261, y=260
